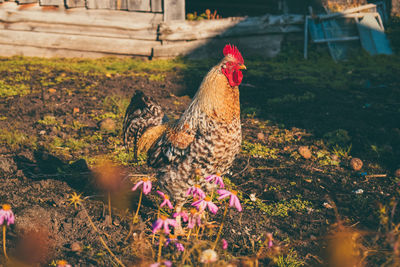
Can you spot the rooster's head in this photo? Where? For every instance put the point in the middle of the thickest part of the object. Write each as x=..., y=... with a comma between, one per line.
x=232, y=65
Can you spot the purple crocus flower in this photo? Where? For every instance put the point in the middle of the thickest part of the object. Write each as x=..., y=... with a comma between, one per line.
x=206, y=202
x=163, y=222
x=6, y=215
x=234, y=200
x=166, y=200
x=158, y=264
x=146, y=185
x=217, y=179
x=196, y=191
x=224, y=244
x=183, y=214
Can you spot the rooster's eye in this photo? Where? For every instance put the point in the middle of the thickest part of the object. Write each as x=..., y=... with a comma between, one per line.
x=224, y=66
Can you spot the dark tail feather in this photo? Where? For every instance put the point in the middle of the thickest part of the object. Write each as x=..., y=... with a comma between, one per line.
x=141, y=114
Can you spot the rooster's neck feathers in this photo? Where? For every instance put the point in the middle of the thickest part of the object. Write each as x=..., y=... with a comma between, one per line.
x=216, y=98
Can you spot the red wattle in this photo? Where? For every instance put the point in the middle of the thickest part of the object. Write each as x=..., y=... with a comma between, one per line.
x=233, y=74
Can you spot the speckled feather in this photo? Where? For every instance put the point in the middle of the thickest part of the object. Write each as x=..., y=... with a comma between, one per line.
x=141, y=114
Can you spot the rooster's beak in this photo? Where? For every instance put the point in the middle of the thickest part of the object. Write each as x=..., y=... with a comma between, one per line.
x=242, y=67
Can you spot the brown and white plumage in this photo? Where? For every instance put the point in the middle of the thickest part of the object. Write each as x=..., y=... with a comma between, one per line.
x=141, y=115
x=206, y=138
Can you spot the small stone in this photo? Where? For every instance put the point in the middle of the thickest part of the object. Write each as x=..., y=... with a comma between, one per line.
x=76, y=247
x=356, y=164
x=397, y=173
x=42, y=132
x=260, y=136
x=359, y=191
x=305, y=152
x=253, y=197
x=107, y=125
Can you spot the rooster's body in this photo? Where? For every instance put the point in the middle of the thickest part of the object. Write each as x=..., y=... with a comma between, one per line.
x=204, y=141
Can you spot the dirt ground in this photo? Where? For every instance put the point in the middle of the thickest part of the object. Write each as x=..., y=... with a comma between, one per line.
x=294, y=174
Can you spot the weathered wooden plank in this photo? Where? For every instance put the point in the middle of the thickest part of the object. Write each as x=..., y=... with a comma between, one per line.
x=119, y=4
x=98, y=4
x=30, y=51
x=95, y=18
x=244, y=26
x=265, y=46
x=77, y=42
x=139, y=5
x=74, y=3
x=149, y=33
x=174, y=10
x=21, y=2
x=156, y=5
x=51, y=2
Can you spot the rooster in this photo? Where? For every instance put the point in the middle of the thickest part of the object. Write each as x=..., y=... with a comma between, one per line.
x=206, y=138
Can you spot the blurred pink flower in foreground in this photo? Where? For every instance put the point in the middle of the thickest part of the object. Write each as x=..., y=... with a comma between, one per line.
x=224, y=244
x=166, y=200
x=234, y=200
x=6, y=215
x=206, y=202
x=217, y=179
x=163, y=222
x=196, y=191
x=146, y=185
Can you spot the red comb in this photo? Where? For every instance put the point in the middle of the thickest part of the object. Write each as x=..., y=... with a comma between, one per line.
x=234, y=52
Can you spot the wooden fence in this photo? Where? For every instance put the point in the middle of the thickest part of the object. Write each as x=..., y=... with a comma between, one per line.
x=36, y=29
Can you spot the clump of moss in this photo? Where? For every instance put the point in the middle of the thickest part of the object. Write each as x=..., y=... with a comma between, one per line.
x=258, y=150
x=7, y=89
x=14, y=139
x=281, y=208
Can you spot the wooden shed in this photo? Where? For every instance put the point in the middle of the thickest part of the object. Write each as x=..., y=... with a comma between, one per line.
x=146, y=28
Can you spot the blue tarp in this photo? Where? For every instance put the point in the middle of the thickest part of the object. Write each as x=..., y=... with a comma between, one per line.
x=372, y=36
x=371, y=33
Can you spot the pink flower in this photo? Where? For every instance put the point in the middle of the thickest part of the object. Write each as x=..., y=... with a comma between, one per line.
x=194, y=218
x=196, y=191
x=163, y=222
x=174, y=239
x=224, y=244
x=206, y=202
x=234, y=200
x=6, y=215
x=146, y=185
x=270, y=240
x=171, y=238
x=183, y=214
x=216, y=178
x=166, y=200
x=158, y=264
x=180, y=247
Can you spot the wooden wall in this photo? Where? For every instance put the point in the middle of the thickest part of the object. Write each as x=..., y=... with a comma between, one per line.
x=36, y=30
x=171, y=9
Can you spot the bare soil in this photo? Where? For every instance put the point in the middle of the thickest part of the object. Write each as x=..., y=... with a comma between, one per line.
x=282, y=192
